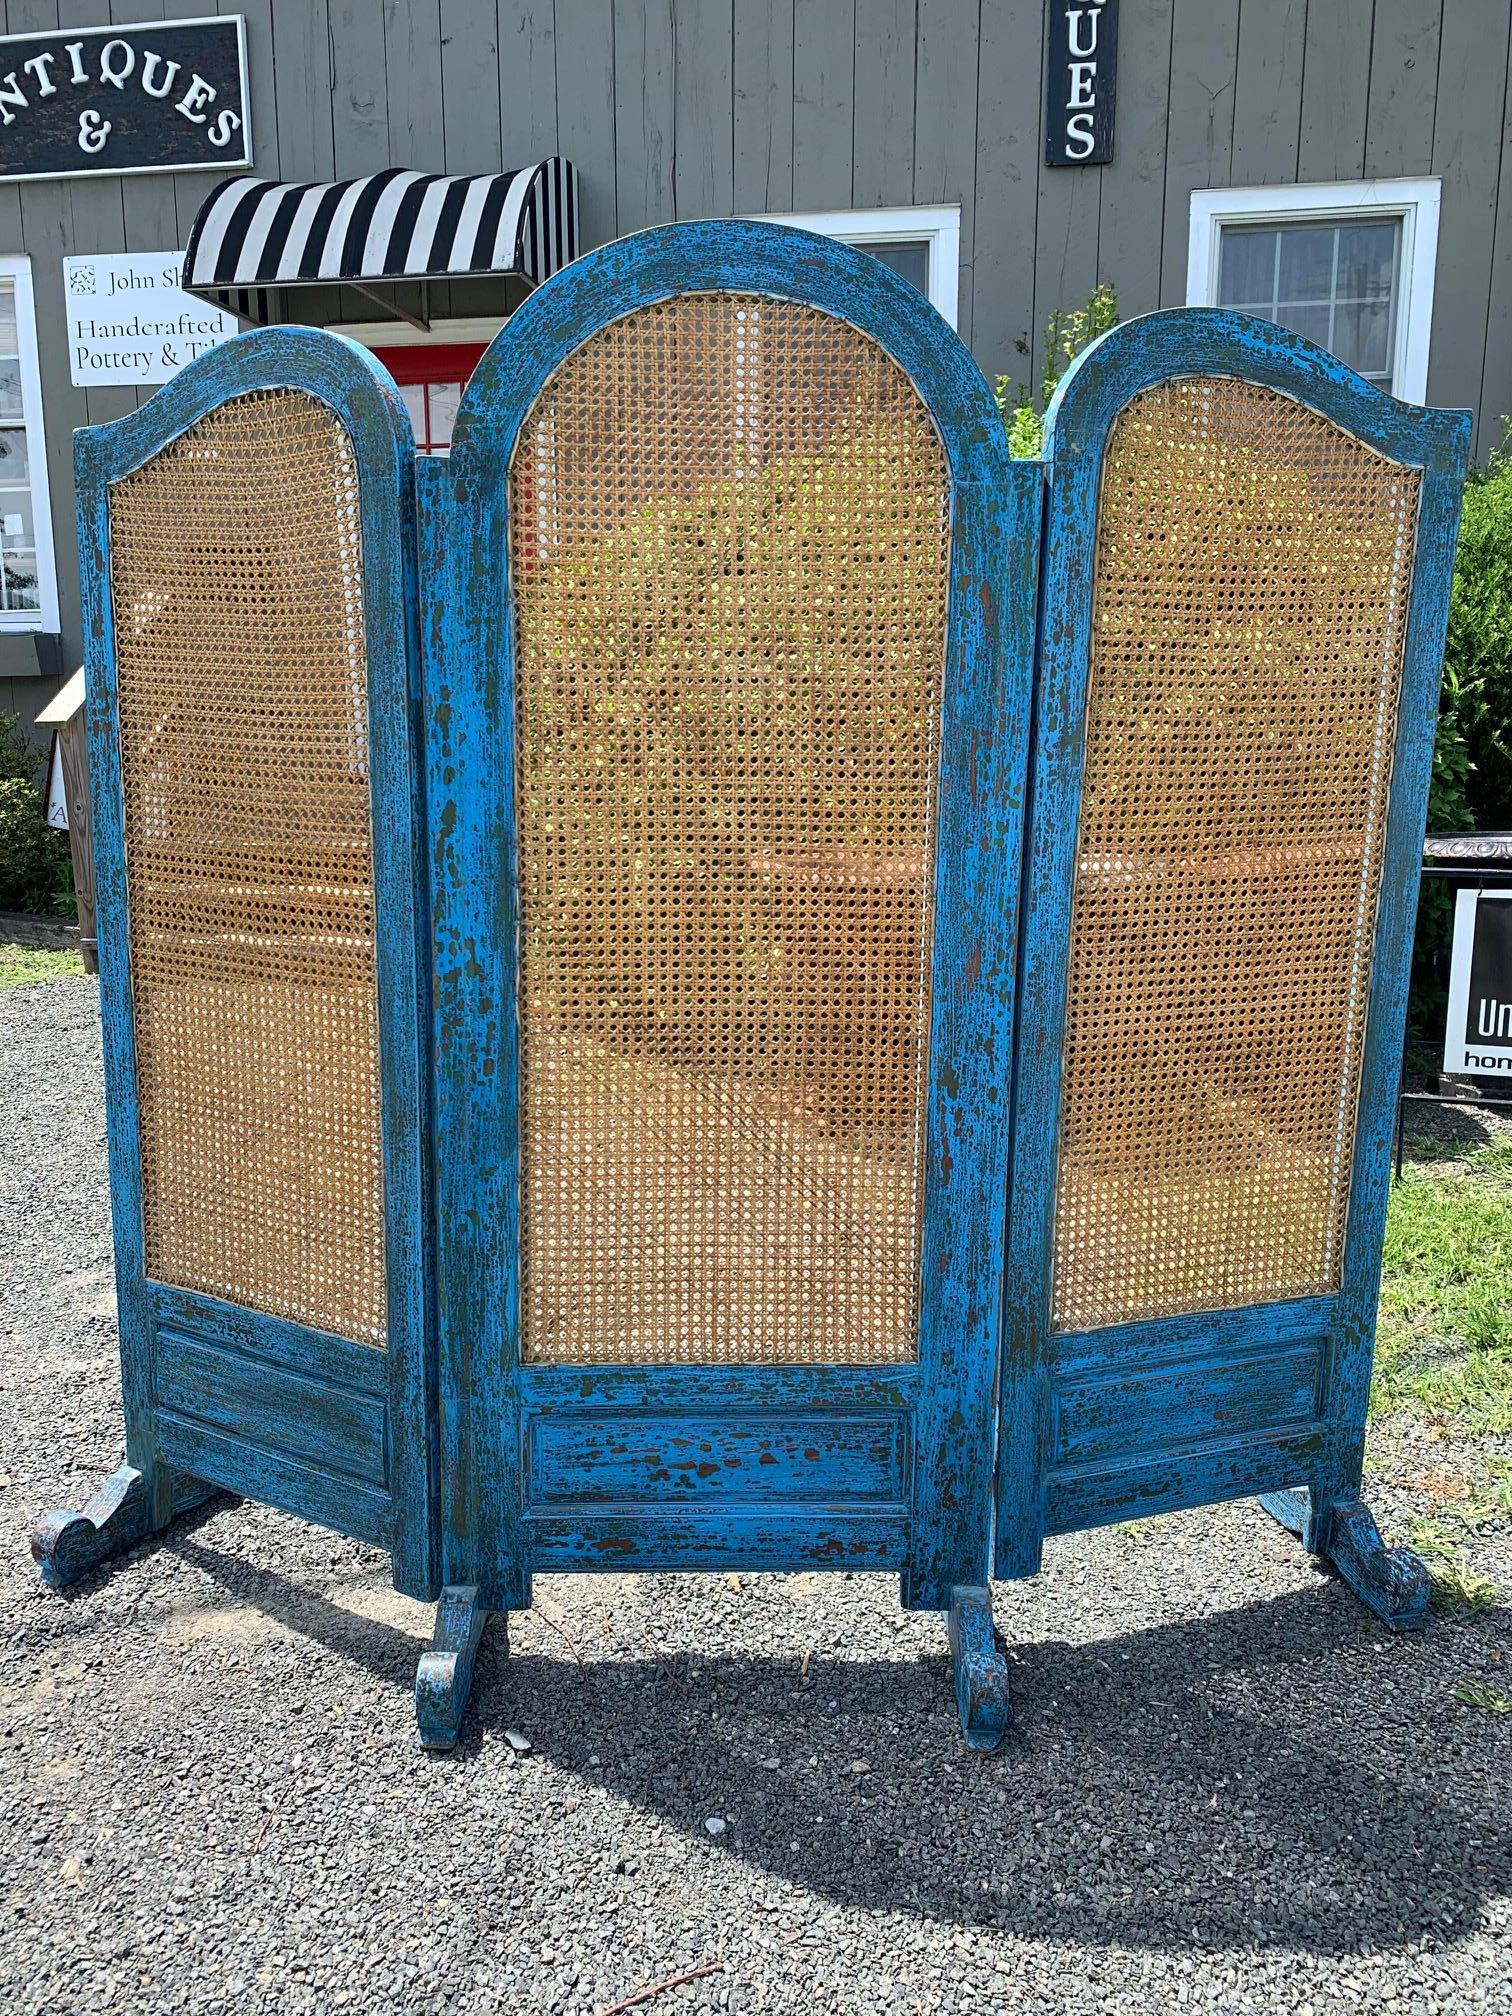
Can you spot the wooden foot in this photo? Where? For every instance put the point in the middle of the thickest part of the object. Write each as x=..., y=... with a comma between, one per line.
x=981, y=1671
x=1390, y=1581
x=444, y=1678
x=66, y=1545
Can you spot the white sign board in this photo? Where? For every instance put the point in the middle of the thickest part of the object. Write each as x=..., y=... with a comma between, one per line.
x=129, y=321
x=1478, y=1036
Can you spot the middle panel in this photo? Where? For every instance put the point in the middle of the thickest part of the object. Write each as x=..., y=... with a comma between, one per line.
x=729, y=690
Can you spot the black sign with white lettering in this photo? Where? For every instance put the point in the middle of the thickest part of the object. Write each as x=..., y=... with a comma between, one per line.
x=1083, y=73
x=116, y=101
x=1478, y=1038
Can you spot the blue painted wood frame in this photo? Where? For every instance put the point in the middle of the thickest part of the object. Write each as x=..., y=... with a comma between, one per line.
x=1152, y=1416
x=538, y=1462
x=317, y=1424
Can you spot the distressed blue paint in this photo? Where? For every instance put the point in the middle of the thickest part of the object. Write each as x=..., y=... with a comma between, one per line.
x=1391, y=1581
x=314, y=1420
x=754, y=1537
x=671, y=1390
x=275, y=1477
x=444, y=1676
x=493, y=1535
x=1034, y=1496
x=274, y=1340
x=1214, y=1333
x=319, y=1372
x=981, y=1672
x=1122, y=1413
x=1172, y=1480
x=716, y=1459
x=67, y=1545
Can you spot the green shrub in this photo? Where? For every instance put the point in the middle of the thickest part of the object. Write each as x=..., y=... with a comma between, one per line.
x=1472, y=756
x=1067, y=334
x=1477, y=701
x=36, y=872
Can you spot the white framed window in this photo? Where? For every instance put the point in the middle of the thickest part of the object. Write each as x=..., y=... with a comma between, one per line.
x=922, y=242
x=28, y=578
x=1349, y=264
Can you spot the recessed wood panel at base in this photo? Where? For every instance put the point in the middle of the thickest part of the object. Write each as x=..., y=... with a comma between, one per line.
x=1253, y=564
x=730, y=552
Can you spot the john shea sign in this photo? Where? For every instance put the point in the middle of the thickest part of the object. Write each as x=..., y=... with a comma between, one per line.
x=121, y=101
x=130, y=323
x=1083, y=71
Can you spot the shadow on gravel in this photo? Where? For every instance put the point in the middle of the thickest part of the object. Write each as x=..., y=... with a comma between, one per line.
x=1278, y=1775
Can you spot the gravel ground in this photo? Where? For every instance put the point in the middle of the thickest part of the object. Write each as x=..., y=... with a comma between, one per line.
x=1226, y=1789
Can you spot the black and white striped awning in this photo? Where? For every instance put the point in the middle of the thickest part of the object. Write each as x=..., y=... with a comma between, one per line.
x=252, y=237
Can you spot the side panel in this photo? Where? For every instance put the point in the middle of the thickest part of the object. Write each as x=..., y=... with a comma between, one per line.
x=260, y=821
x=795, y=1464
x=1246, y=586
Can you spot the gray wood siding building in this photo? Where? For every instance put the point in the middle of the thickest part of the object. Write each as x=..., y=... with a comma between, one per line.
x=695, y=108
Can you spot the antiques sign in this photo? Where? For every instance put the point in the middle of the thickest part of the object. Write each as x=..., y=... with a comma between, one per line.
x=1478, y=1038
x=130, y=323
x=122, y=101
x=1083, y=71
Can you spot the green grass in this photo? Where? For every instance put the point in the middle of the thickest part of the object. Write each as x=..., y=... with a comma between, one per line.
x=1480, y=1694
x=1444, y=1347
x=1458, y=1589
x=29, y=965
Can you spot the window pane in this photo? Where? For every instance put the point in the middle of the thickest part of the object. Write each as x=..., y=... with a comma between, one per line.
x=13, y=463
x=414, y=398
x=1307, y=252
x=1367, y=259
x=1310, y=322
x=16, y=519
x=10, y=388
x=1246, y=268
x=1362, y=334
x=910, y=257
x=444, y=401
x=18, y=574
x=7, y=318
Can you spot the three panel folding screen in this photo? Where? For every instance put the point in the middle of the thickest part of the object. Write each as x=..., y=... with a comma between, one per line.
x=730, y=978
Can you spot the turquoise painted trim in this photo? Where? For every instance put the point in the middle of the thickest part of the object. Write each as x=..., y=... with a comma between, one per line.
x=1109, y=373
x=1173, y=1480
x=487, y=1544
x=689, y=1389
x=360, y=393
x=254, y=1334
x=756, y=1538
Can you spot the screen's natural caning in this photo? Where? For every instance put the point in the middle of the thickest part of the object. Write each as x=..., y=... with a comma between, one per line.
x=236, y=589
x=1253, y=565
x=730, y=561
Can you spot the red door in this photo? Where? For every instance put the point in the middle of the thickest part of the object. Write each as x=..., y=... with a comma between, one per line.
x=431, y=377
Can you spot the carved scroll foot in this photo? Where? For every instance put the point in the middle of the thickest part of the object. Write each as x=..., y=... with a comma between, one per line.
x=66, y=1545
x=444, y=1678
x=981, y=1671
x=1390, y=1581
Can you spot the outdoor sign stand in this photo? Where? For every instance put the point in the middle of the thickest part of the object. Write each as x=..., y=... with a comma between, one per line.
x=1481, y=864
x=568, y=1026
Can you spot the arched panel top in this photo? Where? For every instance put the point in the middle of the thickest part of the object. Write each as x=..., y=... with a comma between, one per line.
x=330, y=368
x=736, y=258
x=1207, y=342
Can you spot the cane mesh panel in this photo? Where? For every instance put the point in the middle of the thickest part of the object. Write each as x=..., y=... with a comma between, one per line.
x=1252, y=570
x=236, y=585
x=730, y=552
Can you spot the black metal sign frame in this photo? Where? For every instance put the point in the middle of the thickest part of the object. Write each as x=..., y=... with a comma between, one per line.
x=141, y=99
x=1082, y=80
